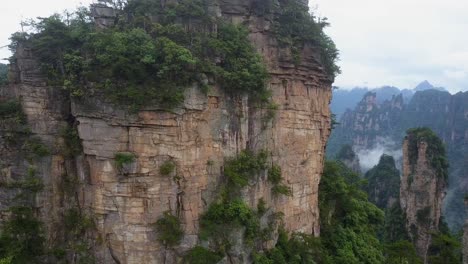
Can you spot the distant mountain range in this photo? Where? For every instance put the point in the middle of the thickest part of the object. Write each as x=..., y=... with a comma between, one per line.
x=374, y=125
x=348, y=99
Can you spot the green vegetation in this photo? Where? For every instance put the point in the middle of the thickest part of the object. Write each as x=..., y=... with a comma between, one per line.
x=298, y=249
x=383, y=182
x=13, y=122
x=77, y=223
x=245, y=166
x=349, y=220
x=281, y=189
x=122, y=158
x=274, y=176
x=349, y=224
x=21, y=234
x=334, y=123
x=35, y=146
x=227, y=215
x=153, y=53
x=295, y=27
x=435, y=149
x=31, y=183
x=169, y=230
x=401, y=252
x=394, y=228
x=72, y=142
x=383, y=186
x=353, y=230
x=9, y=108
x=21, y=238
x=12, y=109
x=444, y=249
x=201, y=255
x=3, y=74
x=167, y=168
x=142, y=60
x=230, y=214
x=261, y=207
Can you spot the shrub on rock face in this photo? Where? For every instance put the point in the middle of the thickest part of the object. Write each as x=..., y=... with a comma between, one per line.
x=123, y=158
x=167, y=168
x=169, y=230
x=201, y=255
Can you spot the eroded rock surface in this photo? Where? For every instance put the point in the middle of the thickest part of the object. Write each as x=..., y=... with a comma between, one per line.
x=125, y=202
x=422, y=190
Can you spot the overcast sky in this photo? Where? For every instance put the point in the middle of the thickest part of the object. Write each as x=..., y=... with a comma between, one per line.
x=12, y=12
x=399, y=42
x=382, y=42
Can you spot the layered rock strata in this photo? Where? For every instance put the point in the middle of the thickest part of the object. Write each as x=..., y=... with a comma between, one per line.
x=422, y=190
x=126, y=201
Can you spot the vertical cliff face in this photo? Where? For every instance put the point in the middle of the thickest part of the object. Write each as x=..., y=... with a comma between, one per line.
x=465, y=238
x=422, y=186
x=125, y=201
x=370, y=123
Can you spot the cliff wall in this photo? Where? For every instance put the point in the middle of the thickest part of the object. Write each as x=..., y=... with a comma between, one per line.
x=465, y=238
x=422, y=190
x=125, y=202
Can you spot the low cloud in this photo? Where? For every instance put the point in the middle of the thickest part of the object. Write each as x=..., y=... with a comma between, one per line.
x=368, y=158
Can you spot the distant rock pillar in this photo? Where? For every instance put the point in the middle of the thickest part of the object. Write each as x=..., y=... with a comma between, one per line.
x=104, y=16
x=465, y=235
x=422, y=190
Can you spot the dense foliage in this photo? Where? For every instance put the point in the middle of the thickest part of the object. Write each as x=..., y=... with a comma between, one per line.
x=150, y=56
x=21, y=234
x=348, y=226
x=275, y=177
x=72, y=142
x=167, y=168
x=3, y=74
x=383, y=189
x=21, y=237
x=441, y=111
x=201, y=255
x=401, y=252
x=11, y=109
x=394, y=228
x=240, y=169
x=229, y=214
x=169, y=230
x=444, y=249
x=122, y=158
x=349, y=221
x=226, y=215
x=383, y=185
x=295, y=27
x=297, y=249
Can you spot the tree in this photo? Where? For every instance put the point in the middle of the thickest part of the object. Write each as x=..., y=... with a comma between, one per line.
x=349, y=221
x=3, y=74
